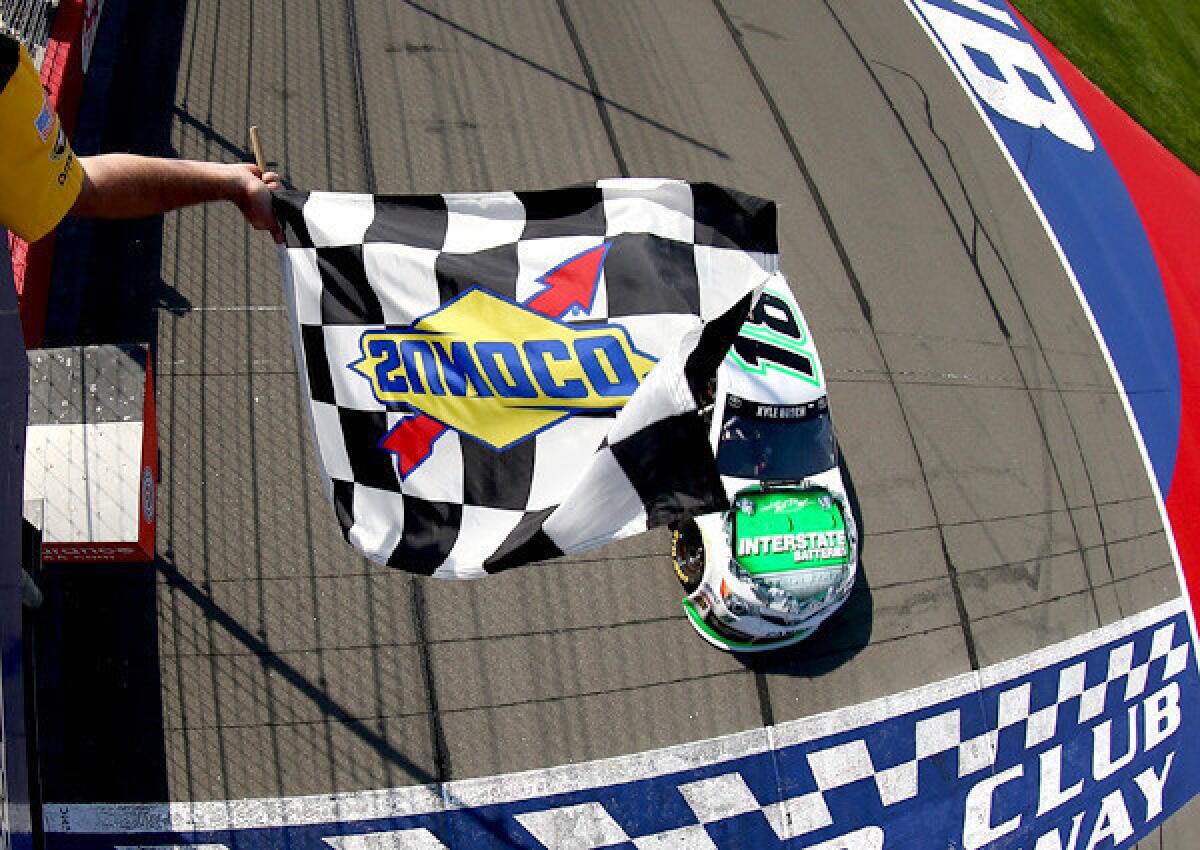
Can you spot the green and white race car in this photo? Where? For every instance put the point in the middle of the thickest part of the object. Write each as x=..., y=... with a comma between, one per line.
x=767, y=572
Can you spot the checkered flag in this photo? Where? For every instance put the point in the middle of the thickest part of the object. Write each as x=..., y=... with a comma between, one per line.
x=499, y=378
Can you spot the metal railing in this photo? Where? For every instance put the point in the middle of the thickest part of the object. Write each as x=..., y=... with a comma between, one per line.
x=30, y=21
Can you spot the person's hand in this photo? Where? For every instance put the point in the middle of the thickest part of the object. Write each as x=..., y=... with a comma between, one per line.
x=253, y=197
x=122, y=185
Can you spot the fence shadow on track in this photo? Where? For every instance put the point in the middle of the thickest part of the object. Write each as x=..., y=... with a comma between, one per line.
x=100, y=689
x=329, y=707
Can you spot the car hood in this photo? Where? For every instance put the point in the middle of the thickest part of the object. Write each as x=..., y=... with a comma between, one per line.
x=797, y=539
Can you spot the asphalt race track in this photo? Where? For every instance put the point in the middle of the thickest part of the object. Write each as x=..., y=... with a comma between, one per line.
x=1003, y=501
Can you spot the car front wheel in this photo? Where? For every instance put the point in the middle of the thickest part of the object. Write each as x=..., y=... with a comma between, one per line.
x=687, y=556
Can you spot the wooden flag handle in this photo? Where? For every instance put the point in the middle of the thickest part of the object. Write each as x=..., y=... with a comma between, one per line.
x=259, y=159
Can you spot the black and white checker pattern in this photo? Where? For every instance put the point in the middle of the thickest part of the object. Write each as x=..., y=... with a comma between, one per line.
x=683, y=264
x=1074, y=705
x=844, y=775
x=899, y=771
x=837, y=768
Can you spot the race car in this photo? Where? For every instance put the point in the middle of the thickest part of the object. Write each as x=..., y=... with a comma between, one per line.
x=764, y=574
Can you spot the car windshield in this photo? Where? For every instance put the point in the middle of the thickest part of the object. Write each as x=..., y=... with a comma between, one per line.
x=775, y=443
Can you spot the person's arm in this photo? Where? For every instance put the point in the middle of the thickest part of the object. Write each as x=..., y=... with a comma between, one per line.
x=119, y=185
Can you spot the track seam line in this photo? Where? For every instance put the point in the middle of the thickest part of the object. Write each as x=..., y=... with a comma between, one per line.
x=204, y=430
x=441, y=750
x=302, y=413
x=172, y=407
x=594, y=89
x=252, y=429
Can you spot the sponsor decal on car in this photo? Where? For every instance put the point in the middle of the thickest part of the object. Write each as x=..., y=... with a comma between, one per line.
x=777, y=531
x=774, y=338
x=810, y=546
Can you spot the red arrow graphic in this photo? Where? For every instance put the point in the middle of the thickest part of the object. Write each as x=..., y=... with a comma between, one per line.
x=568, y=285
x=411, y=441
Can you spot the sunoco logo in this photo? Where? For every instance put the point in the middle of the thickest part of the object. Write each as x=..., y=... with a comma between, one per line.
x=500, y=371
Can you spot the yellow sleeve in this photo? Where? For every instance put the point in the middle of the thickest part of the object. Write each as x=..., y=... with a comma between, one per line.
x=39, y=175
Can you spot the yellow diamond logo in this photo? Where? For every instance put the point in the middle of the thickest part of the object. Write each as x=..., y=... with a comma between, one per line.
x=498, y=371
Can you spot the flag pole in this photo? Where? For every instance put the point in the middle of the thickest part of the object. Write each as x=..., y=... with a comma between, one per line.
x=259, y=159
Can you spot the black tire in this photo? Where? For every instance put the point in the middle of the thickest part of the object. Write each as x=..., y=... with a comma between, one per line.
x=687, y=556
